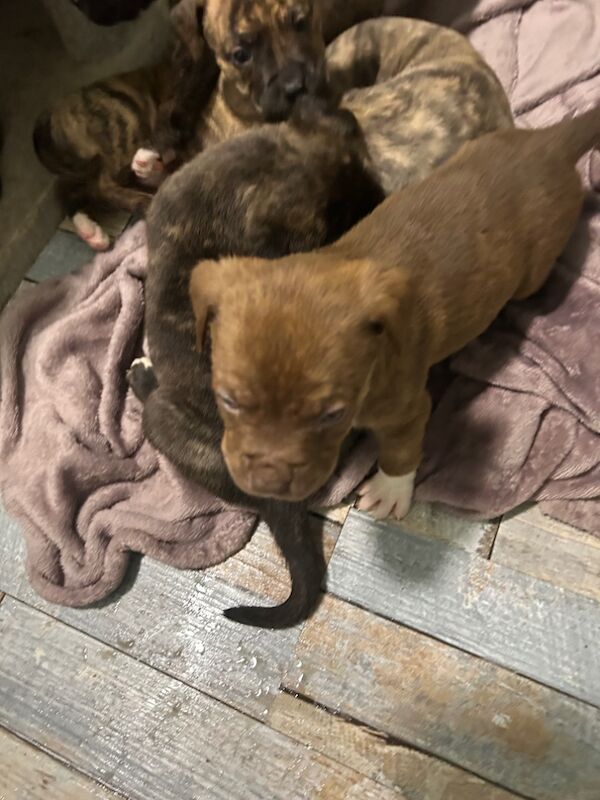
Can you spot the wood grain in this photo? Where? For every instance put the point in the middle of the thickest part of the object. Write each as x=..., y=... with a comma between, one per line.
x=547, y=549
x=260, y=567
x=416, y=775
x=143, y=733
x=497, y=613
x=27, y=773
x=432, y=521
x=172, y=620
x=498, y=725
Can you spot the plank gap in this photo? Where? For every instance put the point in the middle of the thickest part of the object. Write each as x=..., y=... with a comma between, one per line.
x=391, y=740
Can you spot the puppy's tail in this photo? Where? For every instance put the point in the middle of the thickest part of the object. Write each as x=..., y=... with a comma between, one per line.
x=573, y=137
x=304, y=556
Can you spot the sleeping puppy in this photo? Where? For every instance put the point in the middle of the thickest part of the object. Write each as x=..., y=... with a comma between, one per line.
x=307, y=347
x=276, y=190
x=88, y=137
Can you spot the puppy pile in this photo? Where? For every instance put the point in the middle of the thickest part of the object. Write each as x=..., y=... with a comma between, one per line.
x=288, y=302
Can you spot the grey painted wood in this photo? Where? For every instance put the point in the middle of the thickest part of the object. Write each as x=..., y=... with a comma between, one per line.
x=496, y=724
x=65, y=252
x=528, y=625
x=530, y=542
x=143, y=733
x=435, y=522
x=172, y=619
x=27, y=773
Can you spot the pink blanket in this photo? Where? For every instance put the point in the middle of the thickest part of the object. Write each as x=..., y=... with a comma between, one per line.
x=521, y=419
x=74, y=467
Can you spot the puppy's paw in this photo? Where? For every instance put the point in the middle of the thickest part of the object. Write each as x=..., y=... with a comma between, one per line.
x=90, y=232
x=148, y=166
x=386, y=495
x=141, y=378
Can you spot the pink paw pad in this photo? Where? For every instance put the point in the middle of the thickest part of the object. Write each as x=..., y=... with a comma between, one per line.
x=90, y=232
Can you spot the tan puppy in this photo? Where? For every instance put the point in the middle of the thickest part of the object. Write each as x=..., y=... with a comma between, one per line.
x=306, y=347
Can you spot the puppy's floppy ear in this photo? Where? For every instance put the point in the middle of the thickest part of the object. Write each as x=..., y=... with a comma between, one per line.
x=385, y=297
x=204, y=294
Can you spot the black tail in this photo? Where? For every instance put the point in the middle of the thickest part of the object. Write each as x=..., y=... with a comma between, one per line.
x=304, y=556
x=61, y=160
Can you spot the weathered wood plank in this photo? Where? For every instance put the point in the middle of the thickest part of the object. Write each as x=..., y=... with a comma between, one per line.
x=492, y=722
x=172, y=619
x=260, y=567
x=417, y=775
x=334, y=513
x=547, y=549
x=27, y=773
x=143, y=733
x=435, y=522
x=64, y=253
x=497, y=613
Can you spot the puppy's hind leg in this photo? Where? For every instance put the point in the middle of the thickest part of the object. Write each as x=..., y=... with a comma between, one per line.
x=90, y=231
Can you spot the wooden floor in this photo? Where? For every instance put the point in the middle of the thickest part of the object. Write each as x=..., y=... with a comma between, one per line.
x=449, y=660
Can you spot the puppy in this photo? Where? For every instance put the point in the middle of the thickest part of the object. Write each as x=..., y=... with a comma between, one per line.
x=271, y=51
x=276, y=190
x=88, y=137
x=307, y=347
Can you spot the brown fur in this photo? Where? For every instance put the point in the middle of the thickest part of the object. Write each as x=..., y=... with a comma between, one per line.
x=307, y=347
x=277, y=189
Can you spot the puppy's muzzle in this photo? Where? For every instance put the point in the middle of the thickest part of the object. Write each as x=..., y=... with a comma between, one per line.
x=267, y=477
x=282, y=90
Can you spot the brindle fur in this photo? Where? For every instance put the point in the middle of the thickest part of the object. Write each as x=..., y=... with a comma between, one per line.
x=88, y=138
x=275, y=190
x=418, y=90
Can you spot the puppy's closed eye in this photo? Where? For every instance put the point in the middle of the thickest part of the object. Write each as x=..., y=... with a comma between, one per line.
x=229, y=403
x=332, y=416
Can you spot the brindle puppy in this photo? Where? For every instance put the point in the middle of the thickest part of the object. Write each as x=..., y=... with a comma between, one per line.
x=275, y=190
x=89, y=136
x=271, y=51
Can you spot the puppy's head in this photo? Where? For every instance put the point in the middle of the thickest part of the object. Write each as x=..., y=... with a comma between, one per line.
x=294, y=344
x=270, y=52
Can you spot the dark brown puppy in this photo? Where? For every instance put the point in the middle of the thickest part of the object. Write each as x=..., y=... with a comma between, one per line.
x=307, y=347
x=275, y=190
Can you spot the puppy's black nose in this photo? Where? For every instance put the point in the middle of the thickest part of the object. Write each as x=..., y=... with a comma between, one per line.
x=292, y=79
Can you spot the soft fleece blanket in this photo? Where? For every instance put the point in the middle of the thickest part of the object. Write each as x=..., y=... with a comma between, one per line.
x=521, y=421
x=75, y=469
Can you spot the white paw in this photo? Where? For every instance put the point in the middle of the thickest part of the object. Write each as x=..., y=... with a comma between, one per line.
x=90, y=232
x=143, y=360
x=147, y=166
x=386, y=495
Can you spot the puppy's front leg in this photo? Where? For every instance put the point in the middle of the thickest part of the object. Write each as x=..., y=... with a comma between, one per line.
x=389, y=492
